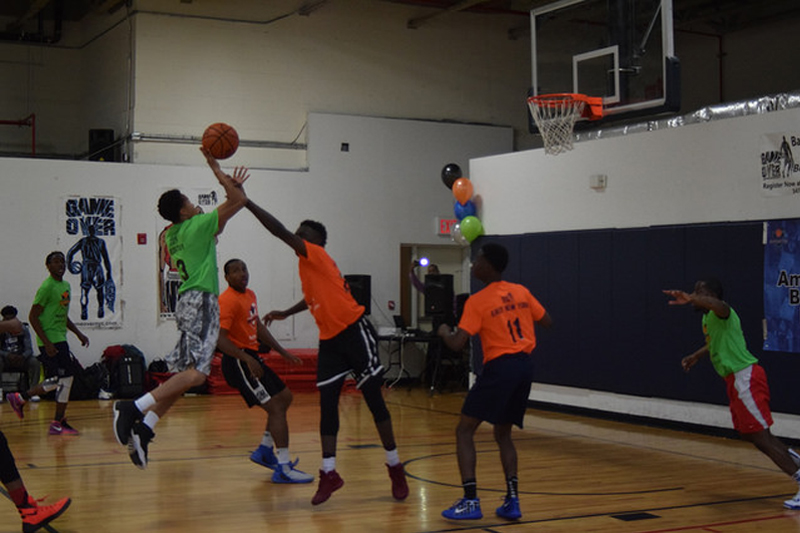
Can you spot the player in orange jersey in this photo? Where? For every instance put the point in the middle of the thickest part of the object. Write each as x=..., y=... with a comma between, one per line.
x=240, y=334
x=503, y=314
x=347, y=346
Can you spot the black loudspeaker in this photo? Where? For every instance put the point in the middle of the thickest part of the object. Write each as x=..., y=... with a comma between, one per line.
x=439, y=295
x=101, y=146
x=361, y=289
x=461, y=299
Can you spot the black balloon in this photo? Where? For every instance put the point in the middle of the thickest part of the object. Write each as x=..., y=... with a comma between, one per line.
x=450, y=173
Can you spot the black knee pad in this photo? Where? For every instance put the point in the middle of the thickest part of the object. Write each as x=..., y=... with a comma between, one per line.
x=372, y=395
x=8, y=468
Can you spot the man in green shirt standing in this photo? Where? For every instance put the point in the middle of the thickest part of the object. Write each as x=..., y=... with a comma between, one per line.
x=748, y=391
x=191, y=242
x=49, y=318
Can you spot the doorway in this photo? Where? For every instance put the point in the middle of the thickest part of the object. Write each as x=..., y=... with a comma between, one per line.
x=451, y=259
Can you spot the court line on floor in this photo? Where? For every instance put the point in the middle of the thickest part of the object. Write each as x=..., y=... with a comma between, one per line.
x=475, y=527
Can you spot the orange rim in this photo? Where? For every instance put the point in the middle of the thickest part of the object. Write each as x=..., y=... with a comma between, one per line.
x=592, y=110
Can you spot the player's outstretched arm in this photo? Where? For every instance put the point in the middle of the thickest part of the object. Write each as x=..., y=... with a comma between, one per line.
x=280, y=315
x=265, y=337
x=705, y=301
x=234, y=190
x=678, y=297
x=277, y=228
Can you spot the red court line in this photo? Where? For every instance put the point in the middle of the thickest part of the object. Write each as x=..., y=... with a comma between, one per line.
x=704, y=526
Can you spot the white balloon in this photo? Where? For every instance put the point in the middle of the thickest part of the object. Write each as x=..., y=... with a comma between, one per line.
x=455, y=234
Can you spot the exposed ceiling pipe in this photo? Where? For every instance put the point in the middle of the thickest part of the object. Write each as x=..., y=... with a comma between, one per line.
x=109, y=7
x=15, y=31
x=415, y=23
x=36, y=7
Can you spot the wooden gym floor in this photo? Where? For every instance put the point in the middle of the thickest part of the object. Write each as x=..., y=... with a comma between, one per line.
x=576, y=474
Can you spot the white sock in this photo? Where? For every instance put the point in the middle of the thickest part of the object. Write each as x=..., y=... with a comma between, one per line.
x=283, y=455
x=144, y=403
x=392, y=457
x=266, y=440
x=328, y=464
x=151, y=419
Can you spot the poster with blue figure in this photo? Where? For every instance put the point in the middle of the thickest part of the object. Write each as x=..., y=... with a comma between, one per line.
x=93, y=257
x=782, y=285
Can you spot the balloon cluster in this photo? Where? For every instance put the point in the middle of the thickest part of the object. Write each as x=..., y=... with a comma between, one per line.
x=469, y=226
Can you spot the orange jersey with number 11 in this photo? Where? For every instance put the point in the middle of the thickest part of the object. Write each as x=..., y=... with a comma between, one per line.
x=502, y=314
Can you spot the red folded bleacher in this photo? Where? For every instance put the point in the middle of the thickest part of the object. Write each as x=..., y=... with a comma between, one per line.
x=298, y=377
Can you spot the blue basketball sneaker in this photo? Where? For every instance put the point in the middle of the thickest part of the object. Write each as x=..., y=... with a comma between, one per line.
x=264, y=456
x=510, y=509
x=288, y=474
x=464, y=509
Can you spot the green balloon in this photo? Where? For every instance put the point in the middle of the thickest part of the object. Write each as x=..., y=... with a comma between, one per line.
x=471, y=228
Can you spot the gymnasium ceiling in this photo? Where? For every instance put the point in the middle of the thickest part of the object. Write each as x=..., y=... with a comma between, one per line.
x=41, y=20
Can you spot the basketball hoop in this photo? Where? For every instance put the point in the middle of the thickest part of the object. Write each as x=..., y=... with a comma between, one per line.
x=556, y=114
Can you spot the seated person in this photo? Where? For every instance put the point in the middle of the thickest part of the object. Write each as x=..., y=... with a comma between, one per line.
x=16, y=351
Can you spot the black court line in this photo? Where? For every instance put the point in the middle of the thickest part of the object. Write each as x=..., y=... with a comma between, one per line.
x=487, y=527
x=616, y=442
x=540, y=493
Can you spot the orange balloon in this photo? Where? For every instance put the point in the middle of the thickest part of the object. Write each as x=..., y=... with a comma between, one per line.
x=462, y=190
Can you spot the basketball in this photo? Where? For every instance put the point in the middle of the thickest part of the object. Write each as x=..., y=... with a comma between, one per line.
x=221, y=140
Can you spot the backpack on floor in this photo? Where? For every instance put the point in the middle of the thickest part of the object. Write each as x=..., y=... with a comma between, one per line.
x=130, y=373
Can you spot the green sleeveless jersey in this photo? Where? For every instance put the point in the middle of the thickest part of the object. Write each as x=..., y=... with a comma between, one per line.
x=192, y=247
x=726, y=345
x=53, y=296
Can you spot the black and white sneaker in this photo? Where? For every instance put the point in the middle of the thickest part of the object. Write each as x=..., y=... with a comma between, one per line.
x=140, y=438
x=125, y=416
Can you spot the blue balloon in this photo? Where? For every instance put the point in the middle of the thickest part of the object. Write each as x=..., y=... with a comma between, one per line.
x=464, y=210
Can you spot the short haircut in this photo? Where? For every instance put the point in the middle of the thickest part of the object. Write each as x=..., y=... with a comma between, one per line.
x=170, y=205
x=51, y=255
x=230, y=263
x=317, y=227
x=8, y=310
x=713, y=285
x=496, y=254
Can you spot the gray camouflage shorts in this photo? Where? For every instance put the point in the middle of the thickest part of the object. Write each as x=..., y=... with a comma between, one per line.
x=197, y=317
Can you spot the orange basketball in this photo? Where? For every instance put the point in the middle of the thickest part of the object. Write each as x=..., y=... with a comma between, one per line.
x=221, y=140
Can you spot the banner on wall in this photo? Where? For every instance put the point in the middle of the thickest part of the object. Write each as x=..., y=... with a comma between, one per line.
x=169, y=279
x=780, y=171
x=782, y=286
x=94, y=258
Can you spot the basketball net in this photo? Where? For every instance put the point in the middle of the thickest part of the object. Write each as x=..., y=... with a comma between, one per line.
x=555, y=116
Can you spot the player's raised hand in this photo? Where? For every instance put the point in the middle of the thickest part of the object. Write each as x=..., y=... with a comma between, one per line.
x=678, y=297
x=212, y=162
x=240, y=175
